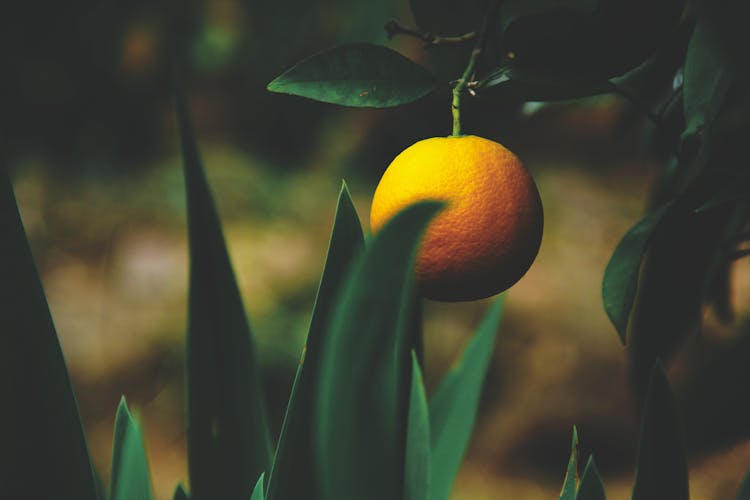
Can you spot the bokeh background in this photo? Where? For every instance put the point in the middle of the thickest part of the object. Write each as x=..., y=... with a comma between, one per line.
x=89, y=134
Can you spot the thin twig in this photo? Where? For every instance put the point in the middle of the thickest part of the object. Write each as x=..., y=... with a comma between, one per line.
x=468, y=74
x=393, y=28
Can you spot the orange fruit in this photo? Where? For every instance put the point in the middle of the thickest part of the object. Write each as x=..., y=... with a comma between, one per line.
x=486, y=238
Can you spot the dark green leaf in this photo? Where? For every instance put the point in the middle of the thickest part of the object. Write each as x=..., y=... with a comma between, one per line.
x=655, y=83
x=591, y=486
x=570, y=49
x=514, y=83
x=293, y=472
x=621, y=275
x=661, y=467
x=730, y=194
x=743, y=493
x=129, y=479
x=513, y=10
x=417, y=475
x=714, y=399
x=570, y=485
x=358, y=75
x=43, y=452
x=447, y=17
x=707, y=78
x=453, y=406
x=180, y=493
x=363, y=388
x=258, y=490
x=228, y=439
x=672, y=284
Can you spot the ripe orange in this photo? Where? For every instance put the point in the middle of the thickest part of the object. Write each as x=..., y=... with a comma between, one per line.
x=486, y=238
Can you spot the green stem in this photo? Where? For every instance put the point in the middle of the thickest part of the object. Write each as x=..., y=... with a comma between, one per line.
x=462, y=82
x=460, y=87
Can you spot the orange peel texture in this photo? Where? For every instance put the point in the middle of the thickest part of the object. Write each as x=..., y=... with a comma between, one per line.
x=489, y=234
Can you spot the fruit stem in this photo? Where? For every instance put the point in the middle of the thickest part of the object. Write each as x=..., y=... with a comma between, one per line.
x=460, y=87
x=463, y=82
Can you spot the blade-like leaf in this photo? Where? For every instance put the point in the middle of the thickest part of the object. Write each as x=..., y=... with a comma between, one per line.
x=417, y=474
x=363, y=388
x=180, y=493
x=453, y=406
x=228, y=439
x=258, y=490
x=591, y=486
x=43, y=452
x=358, y=75
x=621, y=275
x=129, y=479
x=570, y=484
x=447, y=17
x=661, y=468
x=293, y=472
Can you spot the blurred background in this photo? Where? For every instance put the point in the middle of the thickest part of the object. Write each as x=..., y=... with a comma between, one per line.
x=89, y=133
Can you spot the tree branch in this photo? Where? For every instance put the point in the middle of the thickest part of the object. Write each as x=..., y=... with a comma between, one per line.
x=393, y=28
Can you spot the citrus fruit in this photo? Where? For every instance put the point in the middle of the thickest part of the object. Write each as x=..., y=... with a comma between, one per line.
x=488, y=235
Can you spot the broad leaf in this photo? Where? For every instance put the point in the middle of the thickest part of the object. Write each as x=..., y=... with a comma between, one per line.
x=358, y=75
x=453, y=406
x=661, y=467
x=620, y=281
x=447, y=17
x=180, y=493
x=570, y=49
x=228, y=439
x=591, y=486
x=258, y=490
x=570, y=484
x=363, y=388
x=293, y=472
x=129, y=479
x=510, y=82
x=513, y=10
x=417, y=474
x=43, y=452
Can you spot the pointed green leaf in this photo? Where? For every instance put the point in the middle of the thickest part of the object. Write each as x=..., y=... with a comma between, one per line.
x=293, y=472
x=592, y=486
x=743, y=493
x=620, y=281
x=359, y=75
x=180, y=493
x=707, y=77
x=417, y=475
x=661, y=468
x=364, y=384
x=570, y=485
x=129, y=479
x=453, y=406
x=43, y=452
x=258, y=490
x=228, y=439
